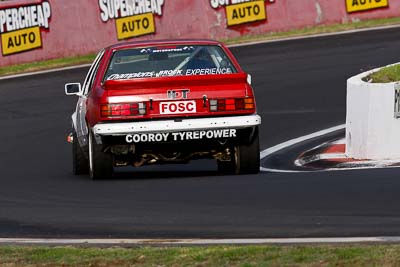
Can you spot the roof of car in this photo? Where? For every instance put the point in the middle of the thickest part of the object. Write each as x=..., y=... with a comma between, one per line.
x=163, y=42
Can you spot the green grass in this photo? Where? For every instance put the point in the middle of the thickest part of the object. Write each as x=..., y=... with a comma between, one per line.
x=364, y=24
x=385, y=75
x=64, y=62
x=324, y=255
x=48, y=64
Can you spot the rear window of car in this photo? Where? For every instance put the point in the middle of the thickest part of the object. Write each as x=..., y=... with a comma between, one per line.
x=167, y=61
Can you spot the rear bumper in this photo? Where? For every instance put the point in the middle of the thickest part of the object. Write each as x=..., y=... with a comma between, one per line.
x=119, y=129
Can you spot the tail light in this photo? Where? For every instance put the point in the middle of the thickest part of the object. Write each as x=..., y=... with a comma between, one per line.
x=232, y=104
x=123, y=109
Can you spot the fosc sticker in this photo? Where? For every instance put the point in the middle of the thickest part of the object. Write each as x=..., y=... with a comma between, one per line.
x=361, y=5
x=178, y=107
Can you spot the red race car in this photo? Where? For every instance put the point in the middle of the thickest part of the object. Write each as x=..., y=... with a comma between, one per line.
x=157, y=102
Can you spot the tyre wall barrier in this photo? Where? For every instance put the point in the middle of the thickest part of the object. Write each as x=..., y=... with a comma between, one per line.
x=33, y=30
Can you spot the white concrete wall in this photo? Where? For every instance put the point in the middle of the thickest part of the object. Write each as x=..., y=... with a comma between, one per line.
x=372, y=132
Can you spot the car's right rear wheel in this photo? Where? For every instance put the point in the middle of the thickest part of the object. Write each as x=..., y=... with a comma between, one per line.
x=245, y=157
x=101, y=165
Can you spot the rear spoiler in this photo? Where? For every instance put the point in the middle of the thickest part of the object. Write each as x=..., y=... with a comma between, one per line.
x=176, y=81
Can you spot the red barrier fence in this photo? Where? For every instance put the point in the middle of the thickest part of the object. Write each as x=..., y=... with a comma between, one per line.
x=33, y=30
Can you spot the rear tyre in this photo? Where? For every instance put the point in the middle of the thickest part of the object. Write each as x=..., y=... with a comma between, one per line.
x=101, y=165
x=247, y=156
x=80, y=163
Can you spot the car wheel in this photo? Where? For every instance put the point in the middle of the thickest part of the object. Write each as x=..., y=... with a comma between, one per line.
x=80, y=163
x=247, y=156
x=101, y=164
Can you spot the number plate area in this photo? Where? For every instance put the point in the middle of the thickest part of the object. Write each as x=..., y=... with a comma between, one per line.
x=178, y=107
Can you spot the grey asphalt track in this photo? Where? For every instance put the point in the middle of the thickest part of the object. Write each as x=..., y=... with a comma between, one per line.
x=300, y=88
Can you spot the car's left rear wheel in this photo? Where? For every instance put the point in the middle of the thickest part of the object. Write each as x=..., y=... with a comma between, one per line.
x=80, y=163
x=101, y=164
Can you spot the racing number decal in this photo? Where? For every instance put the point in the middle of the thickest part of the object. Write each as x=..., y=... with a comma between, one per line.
x=178, y=107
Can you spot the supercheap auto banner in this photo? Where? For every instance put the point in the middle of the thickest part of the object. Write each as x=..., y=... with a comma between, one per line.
x=35, y=30
x=242, y=11
x=133, y=18
x=20, y=27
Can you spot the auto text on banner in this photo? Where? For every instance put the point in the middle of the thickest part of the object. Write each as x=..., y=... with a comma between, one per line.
x=362, y=5
x=245, y=13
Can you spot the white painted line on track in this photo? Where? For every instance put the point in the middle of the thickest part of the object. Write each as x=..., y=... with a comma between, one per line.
x=271, y=150
x=233, y=45
x=317, y=35
x=164, y=242
x=263, y=169
x=267, y=152
x=332, y=156
x=43, y=72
